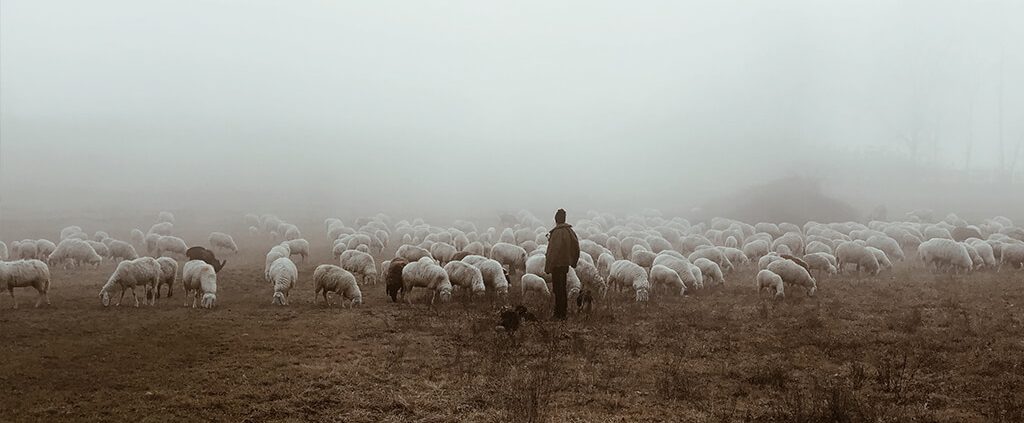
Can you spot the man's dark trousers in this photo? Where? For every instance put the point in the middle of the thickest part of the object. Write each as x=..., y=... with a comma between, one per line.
x=558, y=280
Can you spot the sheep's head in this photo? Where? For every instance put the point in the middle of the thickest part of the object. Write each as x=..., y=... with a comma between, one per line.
x=278, y=299
x=105, y=298
x=218, y=265
x=209, y=300
x=446, y=294
x=357, y=301
x=642, y=295
x=780, y=295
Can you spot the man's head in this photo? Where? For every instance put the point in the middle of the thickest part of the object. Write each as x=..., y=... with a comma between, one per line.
x=560, y=216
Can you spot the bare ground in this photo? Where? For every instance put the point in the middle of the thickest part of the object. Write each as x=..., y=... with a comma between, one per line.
x=910, y=345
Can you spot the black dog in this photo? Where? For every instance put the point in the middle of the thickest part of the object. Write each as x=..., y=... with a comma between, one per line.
x=584, y=302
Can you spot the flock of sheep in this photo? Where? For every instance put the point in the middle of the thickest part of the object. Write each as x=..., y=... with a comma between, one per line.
x=640, y=254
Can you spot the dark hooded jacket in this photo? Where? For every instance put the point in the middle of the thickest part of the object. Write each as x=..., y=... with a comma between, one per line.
x=563, y=248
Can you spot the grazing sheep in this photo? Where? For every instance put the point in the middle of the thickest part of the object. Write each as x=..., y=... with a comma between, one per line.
x=68, y=231
x=361, y=265
x=442, y=252
x=426, y=274
x=625, y=273
x=144, y=272
x=465, y=276
x=151, y=241
x=986, y=252
x=276, y=252
x=162, y=229
x=604, y=263
x=792, y=240
x=168, y=272
x=590, y=278
x=664, y=276
x=889, y=246
x=850, y=252
x=1012, y=255
x=943, y=252
x=818, y=247
x=26, y=273
x=495, y=276
x=223, y=241
x=686, y=270
x=99, y=247
x=331, y=278
x=137, y=238
x=204, y=254
x=794, y=274
x=756, y=248
x=710, y=271
x=283, y=274
x=168, y=245
x=713, y=254
x=120, y=250
x=3, y=251
x=509, y=255
x=299, y=247
x=883, y=259
x=412, y=253
x=766, y=279
x=533, y=283
x=393, y=278
x=27, y=250
x=198, y=277
x=291, y=232
x=99, y=236
x=44, y=248
x=644, y=258
x=822, y=262
x=75, y=252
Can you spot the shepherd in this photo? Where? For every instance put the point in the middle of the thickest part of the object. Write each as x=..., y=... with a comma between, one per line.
x=563, y=252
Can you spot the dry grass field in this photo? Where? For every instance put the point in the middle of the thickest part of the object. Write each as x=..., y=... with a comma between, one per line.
x=910, y=345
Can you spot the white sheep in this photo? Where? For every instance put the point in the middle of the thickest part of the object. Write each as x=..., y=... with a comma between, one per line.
x=495, y=276
x=150, y=241
x=68, y=231
x=168, y=272
x=883, y=259
x=850, y=252
x=590, y=276
x=986, y=252
x=27, y=250
x=889, y=246
x=710, y=271
x=168, y=245
x=792, y=240
x=1012, y=255
x=137, y=238
x=298, y=247
x=165, y=216
x=465, y=276
x=120, y=250
x=143, y=272
x=162, y=229
x=794, y=274
x=99, y=247
x=223, y=241
x=766, y=279
x=686, y=270
x=99, y=236
x=625, y=273
x=331, y=278
x=75, y=252
x=283, y=274
x=412, y=253
x=44, y=248
x=26, y=273
x=818, y=247
x=509, y=255
x=822, y=262
x=361, y=265
x=426, y=274
x=942, y=252
x=713, y=254
x=664, y=276
x=756, y=248
x=442, y=252
x=198, y=277
x=3, y=251
x=276, y=252
x=533, y=283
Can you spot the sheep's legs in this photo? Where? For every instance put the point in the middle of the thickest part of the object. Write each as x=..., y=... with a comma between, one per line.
x=11, y=290
x=42, y=295
x=122, y=297
x=135, y=297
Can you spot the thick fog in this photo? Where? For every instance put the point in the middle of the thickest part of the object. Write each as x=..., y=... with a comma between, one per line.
x=463, y=107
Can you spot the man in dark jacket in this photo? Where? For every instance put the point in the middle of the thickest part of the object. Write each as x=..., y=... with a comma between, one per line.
x=563, y=252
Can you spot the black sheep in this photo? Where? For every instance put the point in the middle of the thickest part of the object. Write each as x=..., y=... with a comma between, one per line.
x=201, y=253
